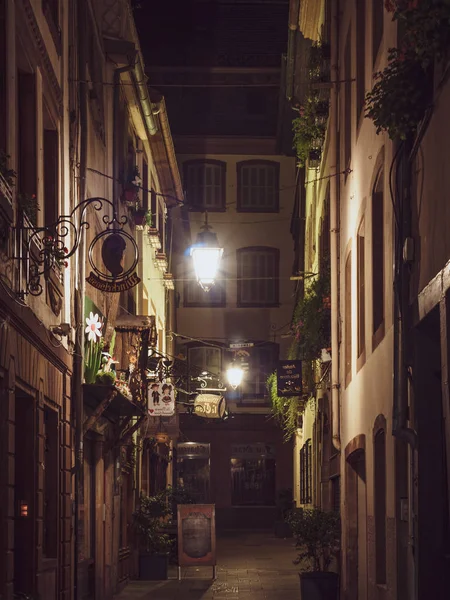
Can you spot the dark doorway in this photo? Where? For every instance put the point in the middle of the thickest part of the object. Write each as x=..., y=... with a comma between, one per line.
x=24, y=494
x=356, y=526
x=433, y=522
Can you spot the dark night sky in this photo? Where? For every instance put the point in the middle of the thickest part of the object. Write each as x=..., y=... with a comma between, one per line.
x=206, y=32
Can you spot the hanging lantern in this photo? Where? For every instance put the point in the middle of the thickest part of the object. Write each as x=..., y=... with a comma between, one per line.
x=206, y=255
x=234, y=375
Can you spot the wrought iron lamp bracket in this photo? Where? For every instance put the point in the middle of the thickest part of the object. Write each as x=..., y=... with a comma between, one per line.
x=32, y=252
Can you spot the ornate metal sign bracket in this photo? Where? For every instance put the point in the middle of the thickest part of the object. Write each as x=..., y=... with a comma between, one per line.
x=32, y=252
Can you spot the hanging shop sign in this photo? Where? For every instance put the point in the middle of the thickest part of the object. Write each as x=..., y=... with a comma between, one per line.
x=210, y=406
x=253, y=451
x=192, y=450
x=196, y=535
x=161, y=399
x=289, y=378
x=120, y=255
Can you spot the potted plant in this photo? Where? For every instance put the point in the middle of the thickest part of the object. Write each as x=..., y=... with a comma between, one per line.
x=131, y=188
x=317, y=535
x=284, y=506
x=28, y=204
x=154, y=544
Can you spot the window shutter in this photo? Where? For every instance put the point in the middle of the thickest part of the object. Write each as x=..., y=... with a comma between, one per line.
x=258, y=276
x=258, y=187
x=205, y=185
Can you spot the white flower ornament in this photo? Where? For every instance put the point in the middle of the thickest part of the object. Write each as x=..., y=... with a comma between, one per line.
x=93, y=327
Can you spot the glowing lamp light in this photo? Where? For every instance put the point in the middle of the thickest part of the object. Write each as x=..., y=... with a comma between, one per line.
x=234, y=375
x=206, y=255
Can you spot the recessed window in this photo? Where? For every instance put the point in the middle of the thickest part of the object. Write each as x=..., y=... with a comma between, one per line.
x=378, y=260
x=261, y=363
x=195, y=296
x=377, y=27
x=258, y=278
x=380, y=505
x=204, y=358
x=306, y=473
x=361, y=289
x=348, y=319
x=50, y=483
x=360, y=56
x=348, y=99
x=204, y=182
x=258, y=186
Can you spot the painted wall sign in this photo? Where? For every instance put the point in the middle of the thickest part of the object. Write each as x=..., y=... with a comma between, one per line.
x=114, y=287
x=161, y=399
x=196, y=535
x=289, y=378
x=192, y=450
x=253, y=451
x=120, y=256
x=210, y=406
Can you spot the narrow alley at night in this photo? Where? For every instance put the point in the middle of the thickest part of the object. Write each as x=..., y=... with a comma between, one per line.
x=224, y=300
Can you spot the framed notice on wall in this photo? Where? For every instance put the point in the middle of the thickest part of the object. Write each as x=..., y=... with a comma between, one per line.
x=196, y=536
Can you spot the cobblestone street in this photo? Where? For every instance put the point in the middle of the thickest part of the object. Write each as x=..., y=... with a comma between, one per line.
x=250, y=566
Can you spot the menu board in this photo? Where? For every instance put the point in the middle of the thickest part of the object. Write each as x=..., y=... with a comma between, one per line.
x=196, y=535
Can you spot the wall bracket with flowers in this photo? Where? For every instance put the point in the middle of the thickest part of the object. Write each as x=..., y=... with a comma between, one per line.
x=32, y=252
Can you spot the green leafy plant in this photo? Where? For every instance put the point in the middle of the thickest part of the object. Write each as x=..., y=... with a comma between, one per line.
x=398, y=100
x=311, y=320
x=318, y=535
x=309, y=128
x=285, y=411
x=318, y=62
x=9, y=175
x=105, y=377
x=29, y=205
x=400, y=96
x=92, y=361
x=426, y=26
x=149, y=218
x=149, y=521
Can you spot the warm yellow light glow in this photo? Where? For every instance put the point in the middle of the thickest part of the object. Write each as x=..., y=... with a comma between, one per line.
x=234, y=375
x=206, y=263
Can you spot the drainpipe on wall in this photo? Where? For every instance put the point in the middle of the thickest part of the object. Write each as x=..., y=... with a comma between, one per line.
x=335, y=235
x=139, y=77
x=402, y=329
x=144, y=98
x=78, y=358
x=116, y=122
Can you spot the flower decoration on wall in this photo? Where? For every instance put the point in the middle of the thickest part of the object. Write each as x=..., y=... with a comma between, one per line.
x=93, y=327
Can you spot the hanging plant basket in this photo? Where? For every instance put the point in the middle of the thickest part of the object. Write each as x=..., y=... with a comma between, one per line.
x=314, y=157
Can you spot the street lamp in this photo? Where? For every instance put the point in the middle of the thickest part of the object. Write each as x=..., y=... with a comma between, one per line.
x=206, y=255
x=235, y=374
